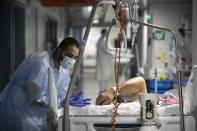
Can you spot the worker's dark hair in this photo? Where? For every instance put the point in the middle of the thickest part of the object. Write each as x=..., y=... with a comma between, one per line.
x=67, y=42
x=103, y=31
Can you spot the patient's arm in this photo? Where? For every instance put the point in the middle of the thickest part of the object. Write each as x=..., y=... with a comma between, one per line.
x=134, y=86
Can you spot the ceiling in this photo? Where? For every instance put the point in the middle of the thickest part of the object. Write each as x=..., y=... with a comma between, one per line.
x=67, y=3
x=104, y=13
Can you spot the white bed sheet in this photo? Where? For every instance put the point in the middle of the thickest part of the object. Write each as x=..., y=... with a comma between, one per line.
x=132, y=108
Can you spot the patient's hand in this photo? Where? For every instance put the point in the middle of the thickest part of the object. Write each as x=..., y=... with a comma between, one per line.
x=105, y=97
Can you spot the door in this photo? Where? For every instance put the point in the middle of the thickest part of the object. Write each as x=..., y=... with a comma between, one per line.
x=12, y=37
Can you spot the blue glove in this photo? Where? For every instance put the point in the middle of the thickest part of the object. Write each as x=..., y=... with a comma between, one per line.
x=77, y=101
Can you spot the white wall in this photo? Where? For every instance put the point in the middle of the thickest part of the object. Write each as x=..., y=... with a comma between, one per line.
x=36, y=17
x=168, y=15
x=30, y=31
x=194, y=45
x=194, y=33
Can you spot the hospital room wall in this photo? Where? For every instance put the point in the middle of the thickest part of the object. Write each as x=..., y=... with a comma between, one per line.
x=34, y=37
x=194, y=45
x=194, y=33
x=40, y=16
x=168, y=14
x=36, y=17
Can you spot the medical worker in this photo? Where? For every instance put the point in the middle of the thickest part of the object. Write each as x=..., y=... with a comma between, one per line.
x=24, y=101
x=104, y=62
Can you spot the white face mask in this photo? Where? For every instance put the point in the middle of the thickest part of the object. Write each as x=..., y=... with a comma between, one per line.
x=67, y=62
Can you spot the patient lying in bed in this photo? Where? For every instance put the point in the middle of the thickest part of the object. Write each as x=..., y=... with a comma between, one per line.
x=132, y=87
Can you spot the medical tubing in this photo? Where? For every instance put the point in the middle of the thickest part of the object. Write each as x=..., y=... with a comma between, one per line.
x=117, y=101
x=132, y=45
x=155, y=71
x=107, y=35
x=156, y=80
x=134, y=25
x=118, y=5
x=135, y=29
x=182, y=121
x=114, y=23
x=65, y=120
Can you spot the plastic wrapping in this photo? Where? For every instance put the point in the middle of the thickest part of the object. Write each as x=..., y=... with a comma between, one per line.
x=52, y=93
x=190, y=99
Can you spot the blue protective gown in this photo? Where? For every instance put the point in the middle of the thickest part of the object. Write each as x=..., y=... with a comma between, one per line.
x=19, y=114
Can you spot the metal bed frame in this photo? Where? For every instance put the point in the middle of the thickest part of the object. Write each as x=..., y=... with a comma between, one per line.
x=66, y=117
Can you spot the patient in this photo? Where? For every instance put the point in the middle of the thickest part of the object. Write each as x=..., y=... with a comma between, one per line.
x=132, y=86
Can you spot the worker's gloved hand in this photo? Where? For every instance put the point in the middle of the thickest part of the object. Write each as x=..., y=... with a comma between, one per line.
x=77, y=101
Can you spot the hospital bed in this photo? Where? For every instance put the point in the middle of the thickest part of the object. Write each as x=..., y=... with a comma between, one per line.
x=98, y=118
x=126, y=123
x=91, y=122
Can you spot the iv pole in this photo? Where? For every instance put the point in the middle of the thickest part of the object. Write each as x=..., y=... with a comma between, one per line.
x=182, y=122
x=65, y=121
